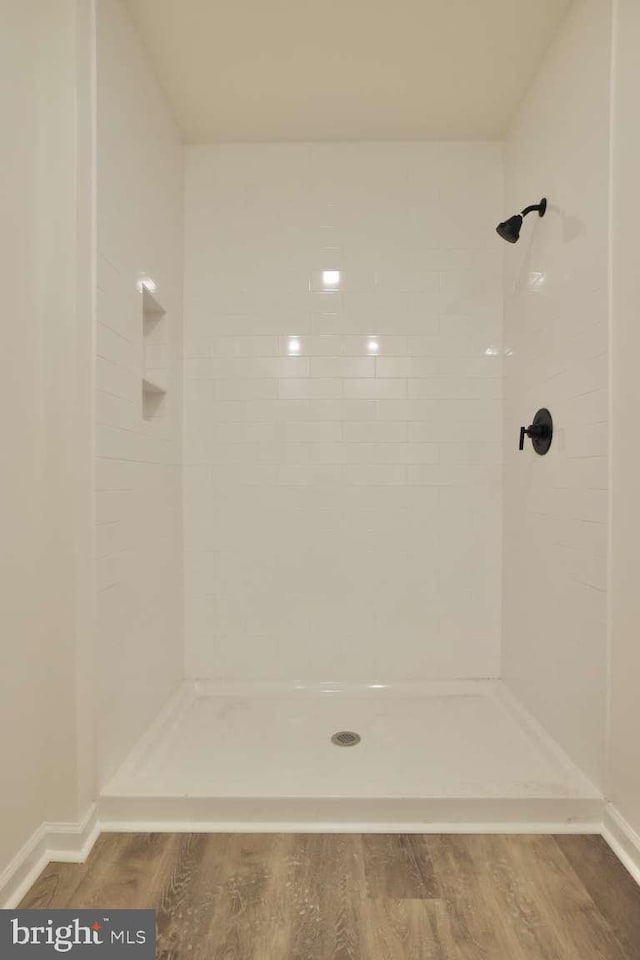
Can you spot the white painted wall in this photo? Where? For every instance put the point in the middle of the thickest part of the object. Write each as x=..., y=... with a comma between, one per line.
x=623, y=786
x=138, y=474
x=415, y=70
x=342, y=446
x=556, y=340
x=45, y=396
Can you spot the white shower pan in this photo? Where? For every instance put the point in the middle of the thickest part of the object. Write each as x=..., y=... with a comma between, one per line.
x=446, y=756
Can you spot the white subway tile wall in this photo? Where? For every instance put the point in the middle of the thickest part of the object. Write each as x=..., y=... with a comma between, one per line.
x=556, y=345
x=138, y=463
x=343, y=417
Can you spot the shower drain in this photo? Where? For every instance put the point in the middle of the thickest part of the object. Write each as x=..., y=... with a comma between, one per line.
x=345, y=738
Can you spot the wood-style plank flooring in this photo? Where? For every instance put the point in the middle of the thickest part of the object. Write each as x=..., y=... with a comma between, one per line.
x=361, y=897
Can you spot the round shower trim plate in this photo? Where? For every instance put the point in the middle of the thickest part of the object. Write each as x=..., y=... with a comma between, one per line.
x=346, y=738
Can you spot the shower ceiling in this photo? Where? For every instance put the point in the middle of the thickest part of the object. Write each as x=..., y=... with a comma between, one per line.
x=345, y=69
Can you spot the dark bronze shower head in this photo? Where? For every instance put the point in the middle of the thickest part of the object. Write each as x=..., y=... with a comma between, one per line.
x=509, y=229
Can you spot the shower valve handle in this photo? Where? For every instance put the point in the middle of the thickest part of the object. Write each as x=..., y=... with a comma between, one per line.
x=534, y=432
x=540, y=432
x=523, y=433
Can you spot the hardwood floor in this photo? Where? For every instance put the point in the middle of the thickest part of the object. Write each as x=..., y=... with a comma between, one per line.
x=361, y=897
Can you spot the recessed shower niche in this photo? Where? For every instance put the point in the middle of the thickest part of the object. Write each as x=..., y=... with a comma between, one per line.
x=155, y=360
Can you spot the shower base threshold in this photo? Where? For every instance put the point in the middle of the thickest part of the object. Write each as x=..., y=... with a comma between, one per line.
x=433, y=757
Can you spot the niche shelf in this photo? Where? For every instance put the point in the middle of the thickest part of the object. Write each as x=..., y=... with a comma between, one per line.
x=155, y=357
x=153, y=400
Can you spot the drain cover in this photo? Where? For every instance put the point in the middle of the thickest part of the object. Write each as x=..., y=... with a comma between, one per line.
x=345, y=738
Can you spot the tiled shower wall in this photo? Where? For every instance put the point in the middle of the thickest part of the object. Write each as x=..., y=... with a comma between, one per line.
x=138, y=471
x=556, y=341
x=343, y=312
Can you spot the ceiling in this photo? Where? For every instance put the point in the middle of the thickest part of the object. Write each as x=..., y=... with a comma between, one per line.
x=269, y=70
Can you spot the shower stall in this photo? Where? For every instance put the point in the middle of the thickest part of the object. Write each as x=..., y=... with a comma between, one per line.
x=322, y=498
x=332, y=395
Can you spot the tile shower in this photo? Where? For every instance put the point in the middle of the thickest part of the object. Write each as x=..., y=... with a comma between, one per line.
x=343, y=381
x=264, y=430
x=263, y=487
x=354, y=376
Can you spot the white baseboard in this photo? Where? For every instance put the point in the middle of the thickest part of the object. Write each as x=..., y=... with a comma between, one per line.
x=66, y=842
x=623, y=840
x=73, y=842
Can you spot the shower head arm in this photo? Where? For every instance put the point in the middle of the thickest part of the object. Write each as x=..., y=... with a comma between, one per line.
x=540, y=207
